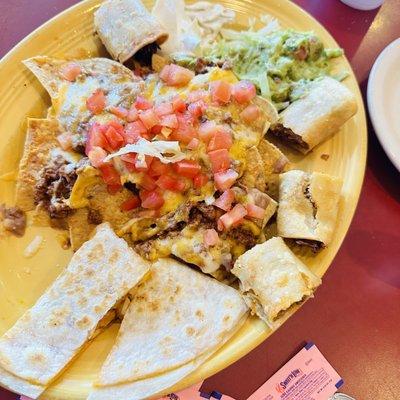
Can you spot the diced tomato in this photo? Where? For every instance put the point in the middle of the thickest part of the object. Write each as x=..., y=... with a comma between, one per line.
x=116, y=125
x=114, y=139
x=224, y=202
x=167, y=182
x=224, y=180
x=193, y=144
x=210, y=237
x=96, y=102
x=132, y=114
x=129, y=161
x=112, y=189
x=65, y=140
x=119, y=112
x=97, y=156
x=255, y=211
x=130, y=204
x=185, y=131
x=71, y=71
x=143, y=104
x=134, y=131
x=175, y=75
x=243, y=91
x=222, y=139
x=170, y=121
x=250, y=113
x=143, y=165
x=110, y=174
x=207, y=130
x=158, y=168
x=155, y=130
x=234, y=216
x=149, y=118
x=163, y=109
x=221, y=91
x=200, y=180
x=152, y=199
x=197, y=95
x=147, y=182
x=96, y=138
x=220, y=160
x=178, y=105
x=197, y=109
x=187, y=168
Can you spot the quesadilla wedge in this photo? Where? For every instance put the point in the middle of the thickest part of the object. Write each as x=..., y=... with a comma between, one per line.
x=164, y=328
x=78, y=87
x=46, y=338
x=315, y=117
x=308, y=207
x=272, y=279
x=126, y=27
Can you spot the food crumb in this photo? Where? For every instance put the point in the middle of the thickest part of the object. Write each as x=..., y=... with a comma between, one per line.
x=33, y=247
x=325, y=156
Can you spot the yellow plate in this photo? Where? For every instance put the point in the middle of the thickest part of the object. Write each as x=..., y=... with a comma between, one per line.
x=23, y=280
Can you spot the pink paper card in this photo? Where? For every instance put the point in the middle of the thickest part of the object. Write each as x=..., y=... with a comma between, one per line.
x=307, y=376
x=194, y=392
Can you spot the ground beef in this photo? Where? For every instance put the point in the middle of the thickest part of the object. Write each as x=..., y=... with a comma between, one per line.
x=242, y=236
x=79, y=143
x=203, y=65
x=145, y=54
x=131, y=187
x=94, y=217
x=14, y=220
x=202, y=214
x=315, y=245
x=54, y=187
x=288, y=136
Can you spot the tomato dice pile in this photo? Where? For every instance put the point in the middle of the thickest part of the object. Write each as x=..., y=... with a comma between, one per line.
x=178, y=119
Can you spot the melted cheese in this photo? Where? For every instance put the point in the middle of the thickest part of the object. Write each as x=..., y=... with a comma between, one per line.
x=88, y=177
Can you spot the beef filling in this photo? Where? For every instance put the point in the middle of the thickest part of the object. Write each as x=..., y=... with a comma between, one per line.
x=54, y=187
x=202, y=65
x=14, y=220
x=288, y=136
x=242, y=236
x=94, y=217
x=145, y=54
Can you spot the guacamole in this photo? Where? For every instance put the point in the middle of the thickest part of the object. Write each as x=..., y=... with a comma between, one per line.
x=280, y=63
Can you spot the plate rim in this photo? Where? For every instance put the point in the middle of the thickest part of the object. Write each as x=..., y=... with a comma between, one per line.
x=88, y=6
x=375, y=76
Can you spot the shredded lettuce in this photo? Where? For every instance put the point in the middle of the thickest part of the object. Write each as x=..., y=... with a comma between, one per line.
x=167, y=152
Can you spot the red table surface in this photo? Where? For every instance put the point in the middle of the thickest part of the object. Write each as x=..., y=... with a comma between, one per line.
x=355, y=316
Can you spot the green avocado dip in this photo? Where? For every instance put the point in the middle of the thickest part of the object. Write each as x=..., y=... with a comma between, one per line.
x=280, y=62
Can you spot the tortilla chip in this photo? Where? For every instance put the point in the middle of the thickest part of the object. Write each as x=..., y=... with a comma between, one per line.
x=274, y=162
x=40, y=140
x=254, y=174
x=106, y=204
x=79, y=228
x=119, y=84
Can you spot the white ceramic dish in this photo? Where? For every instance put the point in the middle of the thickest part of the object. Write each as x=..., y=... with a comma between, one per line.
x=383, y=97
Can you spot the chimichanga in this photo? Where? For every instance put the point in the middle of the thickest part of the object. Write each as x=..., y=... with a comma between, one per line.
x=272, y=279
x=318, y=115
x=308, y=207
x=125, y=27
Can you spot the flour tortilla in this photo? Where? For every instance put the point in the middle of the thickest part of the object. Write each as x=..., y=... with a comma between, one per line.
x=308, y=206
x=175, y=316
x=318, y=115
x=125, y=26
x=120, y=85
x=150, y=387
x=41, y=138
x=45, y=339
x=272, y=279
